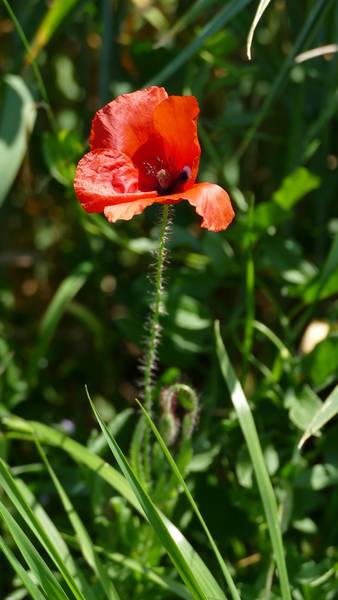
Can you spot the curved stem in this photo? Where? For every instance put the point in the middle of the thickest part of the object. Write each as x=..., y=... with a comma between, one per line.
x=157, y=307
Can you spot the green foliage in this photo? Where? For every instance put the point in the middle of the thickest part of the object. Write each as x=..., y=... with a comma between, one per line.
x=75, y=297
x=17, y=118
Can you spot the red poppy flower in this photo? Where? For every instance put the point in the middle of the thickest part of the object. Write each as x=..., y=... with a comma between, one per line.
x=144, y=149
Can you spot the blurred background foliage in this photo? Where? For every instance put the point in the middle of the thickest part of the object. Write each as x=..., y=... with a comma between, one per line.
x=74, y=291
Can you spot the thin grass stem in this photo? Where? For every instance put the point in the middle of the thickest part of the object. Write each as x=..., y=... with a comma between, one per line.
x=35, y=67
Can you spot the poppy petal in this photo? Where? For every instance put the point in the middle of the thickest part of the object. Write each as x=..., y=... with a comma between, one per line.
x=175, y=121
x=211, y=202
x=126, y=123
x=104, y=177
x=127, y=210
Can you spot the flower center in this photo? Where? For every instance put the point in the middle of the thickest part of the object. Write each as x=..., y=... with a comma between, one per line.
x=165, y=178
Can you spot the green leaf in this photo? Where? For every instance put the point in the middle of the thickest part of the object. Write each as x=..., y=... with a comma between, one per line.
x=25, y=577
x=225, y=15
x=57, y=540
x=250, y=434
x=82, y=455
x=80, y=530
x=302, y=406
x=318, y=477
x=316, y=288
x=12, y=490
x=321, y=365
x=43, y=574
x=63, y=296
x=193, y=575
x=313, y=16
x=179, y=477
x=294, y=187
x=199, y=7
x=77, y=451
x=190, y=314
x=327, y=411
x=17, y=118
x=168, y=584
x=61, y=152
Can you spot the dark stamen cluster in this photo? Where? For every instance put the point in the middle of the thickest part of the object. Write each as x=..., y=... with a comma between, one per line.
x=167, y=178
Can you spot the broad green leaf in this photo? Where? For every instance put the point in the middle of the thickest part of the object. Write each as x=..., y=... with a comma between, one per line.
x=17, y=118
x=263, y=5
x=63, y=296
x=169, y=535
x=294, y=187
x=47, y=435
x=56, y=13
x=318, y=477
x=25, y=577
x=327, y=411
x=39, y=568
x=302, y=406
x=321, y=365
x=10, y=487
x=190, y=315
x=250, y=434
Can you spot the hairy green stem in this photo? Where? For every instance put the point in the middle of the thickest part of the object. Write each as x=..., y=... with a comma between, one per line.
x=157, y=307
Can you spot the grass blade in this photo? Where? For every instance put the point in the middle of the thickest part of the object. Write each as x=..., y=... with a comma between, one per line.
x=29, y=584
x=26, y=429
x=37, y=565
x=249, y=430
x=222, y=18
x=12, y=490
x=198, y=587
x=176, y=471
x=168, y=584
x=63, y=296
x=328, y=410
x=77, y=451
x=80, y=530
x=50, y=22
x=283, y=72
x=58, y=541
x=199, y=7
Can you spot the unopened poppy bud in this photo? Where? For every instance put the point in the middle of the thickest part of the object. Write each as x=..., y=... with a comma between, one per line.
x=169, y=427
x=181, y=402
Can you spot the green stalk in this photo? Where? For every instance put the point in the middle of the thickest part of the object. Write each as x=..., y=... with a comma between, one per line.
x=140, y=449
x=156, y=309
